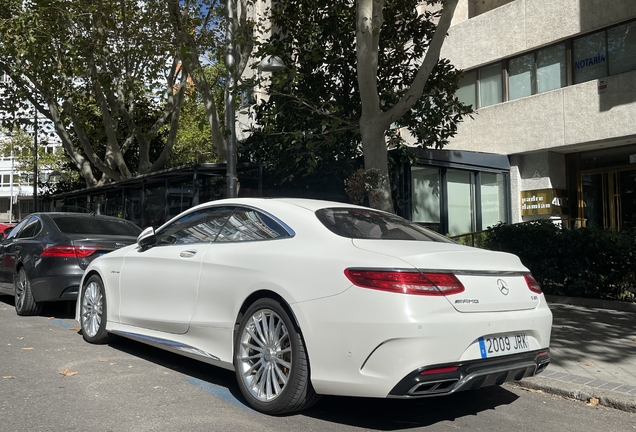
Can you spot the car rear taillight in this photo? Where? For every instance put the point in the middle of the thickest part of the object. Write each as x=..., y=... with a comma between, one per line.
x=69, y=251
x=431, y=284
x=532, y=284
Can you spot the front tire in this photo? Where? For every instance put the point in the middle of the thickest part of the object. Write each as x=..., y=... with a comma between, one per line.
x=271, y=362
x=93, y=312
x=25, y=304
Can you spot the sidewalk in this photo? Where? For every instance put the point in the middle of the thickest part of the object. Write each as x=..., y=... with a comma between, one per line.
x=593, y=352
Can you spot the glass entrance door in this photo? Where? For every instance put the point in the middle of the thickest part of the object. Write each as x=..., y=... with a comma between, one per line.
x=609, y=199
x=627, y=199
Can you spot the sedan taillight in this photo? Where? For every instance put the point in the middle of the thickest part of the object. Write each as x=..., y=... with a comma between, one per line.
x=69, y=251
x=533, y=285
x=430, y=284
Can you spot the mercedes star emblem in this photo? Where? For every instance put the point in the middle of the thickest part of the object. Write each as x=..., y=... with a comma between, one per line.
x=502, y=287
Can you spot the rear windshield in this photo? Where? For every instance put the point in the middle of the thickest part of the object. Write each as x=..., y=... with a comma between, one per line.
x=371, y=224
x=95, y=226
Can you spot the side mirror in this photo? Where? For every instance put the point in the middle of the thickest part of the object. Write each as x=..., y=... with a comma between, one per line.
x=147, y=238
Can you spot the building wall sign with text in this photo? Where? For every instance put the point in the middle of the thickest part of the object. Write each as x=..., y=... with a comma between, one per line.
x=543, y=202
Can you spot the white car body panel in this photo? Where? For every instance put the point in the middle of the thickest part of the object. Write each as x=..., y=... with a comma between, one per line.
x=360, y=341
x=160, y=292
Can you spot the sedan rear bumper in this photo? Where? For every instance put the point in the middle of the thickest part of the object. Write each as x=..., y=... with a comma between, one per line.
x=450, y=378
x=59, y=287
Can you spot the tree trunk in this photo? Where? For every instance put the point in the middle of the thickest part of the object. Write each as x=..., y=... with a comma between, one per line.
x=376, y=158
x=374, y=122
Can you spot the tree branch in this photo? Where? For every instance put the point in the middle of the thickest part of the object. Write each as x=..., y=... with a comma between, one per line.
x=416, y=89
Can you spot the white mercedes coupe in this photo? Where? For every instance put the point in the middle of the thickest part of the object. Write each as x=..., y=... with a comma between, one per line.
x=303, y=298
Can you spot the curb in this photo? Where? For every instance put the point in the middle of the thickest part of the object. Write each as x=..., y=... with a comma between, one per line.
x=580, y=392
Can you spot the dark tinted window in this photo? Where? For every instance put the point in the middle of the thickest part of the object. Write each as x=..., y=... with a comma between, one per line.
x=95, y=225
x=30, y=229
x=248, y=224
x=201, y=226
x=16, y=230
x=370, y=224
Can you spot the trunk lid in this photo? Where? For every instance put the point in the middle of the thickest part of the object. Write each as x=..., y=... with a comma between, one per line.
x=493, y=281
x=101, y=244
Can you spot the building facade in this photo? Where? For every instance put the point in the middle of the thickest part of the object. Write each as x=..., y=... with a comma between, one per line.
x=553, y=85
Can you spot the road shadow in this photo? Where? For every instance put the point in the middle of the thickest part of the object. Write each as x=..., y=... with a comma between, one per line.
x=58, y=309
x=377, y=414
x=395, y=415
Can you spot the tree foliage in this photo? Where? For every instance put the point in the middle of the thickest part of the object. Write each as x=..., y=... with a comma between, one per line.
x=310, y=129
x=88, y=66
x=20, y=145
x=194, y=142
x=199, y=29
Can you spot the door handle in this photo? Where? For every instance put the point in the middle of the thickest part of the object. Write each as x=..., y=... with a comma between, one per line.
x=188, y=253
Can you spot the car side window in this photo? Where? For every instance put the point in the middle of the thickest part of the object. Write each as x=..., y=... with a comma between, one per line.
x=247, y=224
x=201, y=226
x=16, y=230
x=31, y=228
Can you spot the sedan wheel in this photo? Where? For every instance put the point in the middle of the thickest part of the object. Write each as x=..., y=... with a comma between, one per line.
x=271, y=361
x=93, y=312
x=25, y=304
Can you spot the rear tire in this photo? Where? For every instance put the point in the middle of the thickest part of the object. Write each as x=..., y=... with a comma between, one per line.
x=271, y=363
x=93, y=312
x=25, y=304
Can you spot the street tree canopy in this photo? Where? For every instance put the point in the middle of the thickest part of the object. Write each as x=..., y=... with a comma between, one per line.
x=75, y=60
x=357, y=72
x=199, y=29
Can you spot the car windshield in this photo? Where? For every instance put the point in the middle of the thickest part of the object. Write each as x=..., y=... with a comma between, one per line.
x=70, y=224
x=370, y=224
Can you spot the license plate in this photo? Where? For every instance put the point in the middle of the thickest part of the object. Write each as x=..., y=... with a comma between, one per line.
x=493, y=346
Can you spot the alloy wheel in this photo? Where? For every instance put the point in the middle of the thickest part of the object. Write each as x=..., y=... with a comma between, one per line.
x=20, y=290
x=265, y=354
x=92, y=309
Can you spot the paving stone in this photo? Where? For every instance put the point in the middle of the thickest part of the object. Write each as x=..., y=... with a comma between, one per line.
x=625, y=388
x=583, y=380
x=611, y=386
x=570, y=377
x=597, y=383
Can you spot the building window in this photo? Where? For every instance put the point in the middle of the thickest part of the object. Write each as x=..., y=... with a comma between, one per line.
x=551, y=68
x=457, y=201
x=608, y=52
x=589, y=57
x=537, y=72
x=621, y=47
x=521, y=76
x=493, y=199
x=467, y=92
x=461, y=203
x=481, y=88
x=425, y=190
x=246, y=97
x=490, y=85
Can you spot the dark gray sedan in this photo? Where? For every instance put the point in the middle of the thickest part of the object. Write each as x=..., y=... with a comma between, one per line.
x=43, y=258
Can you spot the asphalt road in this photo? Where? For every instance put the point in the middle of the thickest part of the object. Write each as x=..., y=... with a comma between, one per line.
x=51, y=380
